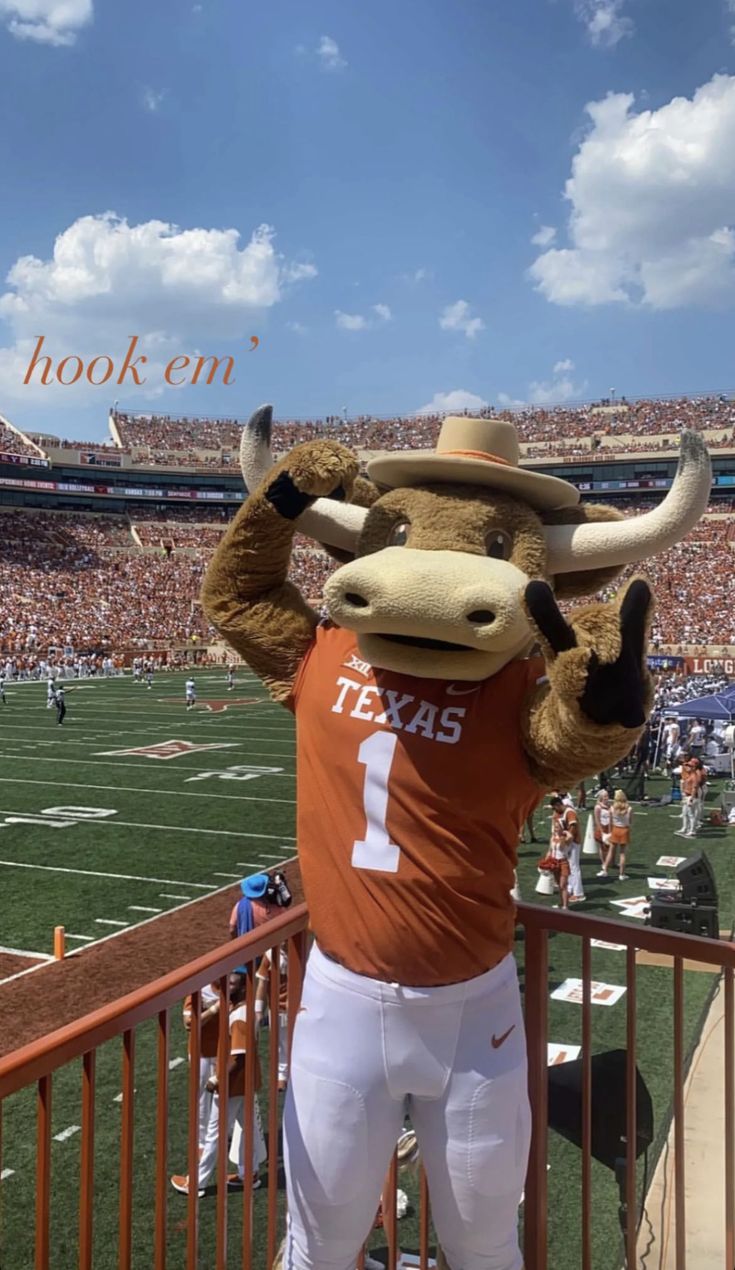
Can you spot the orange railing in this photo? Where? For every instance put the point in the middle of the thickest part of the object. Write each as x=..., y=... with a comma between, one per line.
x=39, y=1063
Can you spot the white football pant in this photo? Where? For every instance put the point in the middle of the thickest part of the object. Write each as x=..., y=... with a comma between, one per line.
x=365, y=1054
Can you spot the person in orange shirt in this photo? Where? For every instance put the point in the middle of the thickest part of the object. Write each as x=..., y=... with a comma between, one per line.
x=689, y=795
x=235, y=1098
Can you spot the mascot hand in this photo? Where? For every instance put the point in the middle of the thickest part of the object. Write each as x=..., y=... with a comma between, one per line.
x=316, y=469
x=599, y=659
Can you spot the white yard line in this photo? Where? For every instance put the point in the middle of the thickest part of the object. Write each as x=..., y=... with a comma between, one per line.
x=175, y=1062
x=94, y=762
x=67, y=1133
x=143, y=908
x=138, y=789
x=166, y=895
x=226, y=875
x=87, y=939
x=23, y=952
x=6, y=1173
x=137, y=824
x=95, y=873
x=108, y=921
x=263, y=855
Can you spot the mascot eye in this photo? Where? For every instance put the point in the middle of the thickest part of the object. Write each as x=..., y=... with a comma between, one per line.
x=399, y=534
x=498, y=544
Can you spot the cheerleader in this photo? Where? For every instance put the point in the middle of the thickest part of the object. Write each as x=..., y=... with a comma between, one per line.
x=602, y=816
x=622, y=814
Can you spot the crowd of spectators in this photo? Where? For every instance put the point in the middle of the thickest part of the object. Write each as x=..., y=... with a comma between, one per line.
x=62, y=585
x=693, y=585
x=173, y=536
x=81, y=580
x=590, y=431
x=12, y=442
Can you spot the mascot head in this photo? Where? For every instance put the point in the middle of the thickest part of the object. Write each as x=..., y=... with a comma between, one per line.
x=437, y=547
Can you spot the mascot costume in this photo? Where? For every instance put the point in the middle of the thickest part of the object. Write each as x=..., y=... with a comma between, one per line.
x=426, y=734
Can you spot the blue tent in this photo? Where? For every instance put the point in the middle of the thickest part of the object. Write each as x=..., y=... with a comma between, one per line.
x=719, y=706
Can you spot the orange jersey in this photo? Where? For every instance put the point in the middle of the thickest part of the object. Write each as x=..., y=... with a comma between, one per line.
x=209, y=1029
x=689, y=781
x=264, y=973
x=412, y=794
x=239, y=1045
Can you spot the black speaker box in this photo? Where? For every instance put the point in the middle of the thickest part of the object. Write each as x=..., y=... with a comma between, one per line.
x=696, y=879
x=688, y=919
x=609, y=1103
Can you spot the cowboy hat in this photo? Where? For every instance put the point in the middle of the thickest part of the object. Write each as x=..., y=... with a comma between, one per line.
x=474, y=452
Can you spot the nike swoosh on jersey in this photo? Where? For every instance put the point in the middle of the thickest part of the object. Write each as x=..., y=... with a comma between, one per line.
x=497, y=1041
x=454, y=691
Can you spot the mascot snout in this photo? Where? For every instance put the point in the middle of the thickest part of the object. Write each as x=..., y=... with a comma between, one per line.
x=461, y=613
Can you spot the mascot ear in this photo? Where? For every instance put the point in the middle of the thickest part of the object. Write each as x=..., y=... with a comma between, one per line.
x=571, y=586
x=364, y=494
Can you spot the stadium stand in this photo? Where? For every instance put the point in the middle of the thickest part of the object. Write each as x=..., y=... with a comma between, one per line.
x=104, y=582
x=593, y=431
x=14, y=442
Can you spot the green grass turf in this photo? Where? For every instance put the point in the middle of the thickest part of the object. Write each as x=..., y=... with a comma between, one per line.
x=174, y=835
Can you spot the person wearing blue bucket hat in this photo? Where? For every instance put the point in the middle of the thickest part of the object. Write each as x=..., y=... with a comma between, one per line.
x=252, y=909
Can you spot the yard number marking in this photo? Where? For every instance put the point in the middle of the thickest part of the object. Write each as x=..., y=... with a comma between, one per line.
x=240, y=772
x=60, y=817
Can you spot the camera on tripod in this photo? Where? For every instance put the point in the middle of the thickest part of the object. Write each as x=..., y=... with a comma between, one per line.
x=277, y=891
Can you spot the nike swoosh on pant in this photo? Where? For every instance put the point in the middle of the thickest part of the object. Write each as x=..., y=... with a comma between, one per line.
x=497, y=1041
x=453, y=691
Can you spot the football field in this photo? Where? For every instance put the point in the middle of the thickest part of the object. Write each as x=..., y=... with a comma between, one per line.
x=135, y=807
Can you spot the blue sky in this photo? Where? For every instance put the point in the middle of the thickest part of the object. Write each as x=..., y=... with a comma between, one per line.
x=401, y=157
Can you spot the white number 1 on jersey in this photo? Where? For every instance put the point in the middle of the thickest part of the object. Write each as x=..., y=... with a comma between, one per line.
x=376, y=851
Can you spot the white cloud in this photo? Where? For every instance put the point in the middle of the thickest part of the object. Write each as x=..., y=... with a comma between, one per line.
x=458, y=399
x=604, y=20
x=152, y=98
x=383, y=312
x=544, y=236
x=652, y=195
x=330, y=58
x=555, y=391
x=297, y=327
x=56, y=22
x=456, y=317
x=350, y=321
x=560, y=388
x=107, y=280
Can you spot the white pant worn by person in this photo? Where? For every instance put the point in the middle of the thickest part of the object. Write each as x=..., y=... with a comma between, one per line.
x=208, y=1162
x=207, y=1069
x=364, y=1054
x=689, y=816
x=576, y=886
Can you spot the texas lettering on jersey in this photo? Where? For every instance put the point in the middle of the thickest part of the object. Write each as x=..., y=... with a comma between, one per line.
x=399, y=710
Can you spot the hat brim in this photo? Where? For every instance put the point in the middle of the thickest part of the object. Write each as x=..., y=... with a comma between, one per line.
x=421, y=467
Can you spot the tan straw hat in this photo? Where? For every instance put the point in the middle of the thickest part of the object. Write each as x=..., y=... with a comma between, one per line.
x=474, y=452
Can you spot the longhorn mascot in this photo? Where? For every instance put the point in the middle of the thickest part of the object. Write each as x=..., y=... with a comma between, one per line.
x=426, y=734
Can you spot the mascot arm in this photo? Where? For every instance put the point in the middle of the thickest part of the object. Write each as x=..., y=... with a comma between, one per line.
x=594, y=706
x=246, y=594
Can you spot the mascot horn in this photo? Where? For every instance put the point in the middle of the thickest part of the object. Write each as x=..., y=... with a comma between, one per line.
x=426, y=734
